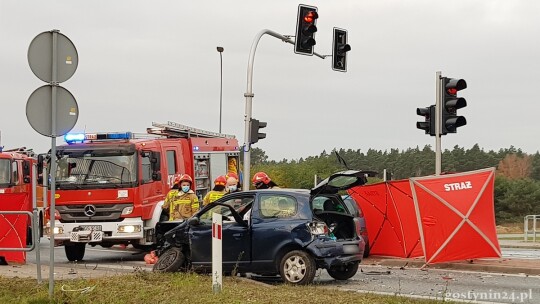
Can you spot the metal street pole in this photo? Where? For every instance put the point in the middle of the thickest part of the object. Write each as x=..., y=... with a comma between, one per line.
x=54, y=85
x=220, y=50
x=438, y=119
x=249, y=98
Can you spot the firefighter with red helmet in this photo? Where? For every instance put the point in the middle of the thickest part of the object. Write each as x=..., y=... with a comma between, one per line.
x=181, y=202
x=261, y=180
x=217, y=192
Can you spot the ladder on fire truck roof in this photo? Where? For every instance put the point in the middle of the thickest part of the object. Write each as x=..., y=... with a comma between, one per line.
x=22, y=150
x=173, y=129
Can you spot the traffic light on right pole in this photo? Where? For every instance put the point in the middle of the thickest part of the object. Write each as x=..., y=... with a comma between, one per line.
x=339, y=50
x=451, y=103
x=428, y=125
x=305, y=29
x=254, y=127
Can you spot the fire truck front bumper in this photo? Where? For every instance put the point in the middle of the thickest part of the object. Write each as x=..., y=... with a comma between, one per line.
x=95, y=232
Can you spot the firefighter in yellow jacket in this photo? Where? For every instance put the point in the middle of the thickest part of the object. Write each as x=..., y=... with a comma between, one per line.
x=181, y=201
x=217, y=192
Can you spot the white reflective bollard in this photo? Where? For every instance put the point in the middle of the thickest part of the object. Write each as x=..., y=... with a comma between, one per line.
x=217, y=258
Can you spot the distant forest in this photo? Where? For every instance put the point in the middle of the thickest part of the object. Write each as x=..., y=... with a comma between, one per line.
x=517, y=182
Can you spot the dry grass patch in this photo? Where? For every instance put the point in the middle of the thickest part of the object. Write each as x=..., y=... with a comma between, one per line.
x=145, y=287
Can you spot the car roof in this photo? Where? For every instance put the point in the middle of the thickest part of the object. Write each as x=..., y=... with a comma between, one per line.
x=280, y=190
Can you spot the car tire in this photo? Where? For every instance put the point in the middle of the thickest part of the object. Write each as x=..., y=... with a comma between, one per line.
x=106, y=245
x=366, y=251
x=297, y=267
x=170, y=261
x=75, y=251
x=344, y=272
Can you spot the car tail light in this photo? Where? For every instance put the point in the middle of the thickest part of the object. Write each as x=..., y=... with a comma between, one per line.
x=358, y=228
x=318, y=228
x=48, y=212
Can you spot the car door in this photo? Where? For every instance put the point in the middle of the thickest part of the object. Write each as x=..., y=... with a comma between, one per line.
x=236, y=235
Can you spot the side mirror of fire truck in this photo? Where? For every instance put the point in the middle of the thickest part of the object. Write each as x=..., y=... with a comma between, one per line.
x=41, y=159
x=26, y=171
x=156, y=165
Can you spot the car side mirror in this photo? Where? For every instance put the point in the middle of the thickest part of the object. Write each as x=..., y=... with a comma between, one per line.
x=194, y=221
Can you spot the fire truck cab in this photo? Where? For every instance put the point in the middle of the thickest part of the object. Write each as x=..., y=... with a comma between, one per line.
x=16, y=176
x=110, y=186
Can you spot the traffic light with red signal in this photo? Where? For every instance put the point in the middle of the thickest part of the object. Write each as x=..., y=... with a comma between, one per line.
x=305, y=29
x=451, y=103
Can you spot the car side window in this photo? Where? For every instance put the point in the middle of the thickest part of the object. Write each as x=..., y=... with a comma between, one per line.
x=277, y=205
x=239, y=204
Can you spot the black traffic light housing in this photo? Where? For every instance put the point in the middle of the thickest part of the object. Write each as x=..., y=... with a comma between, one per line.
x=451, y=103
x=305, y=29
x=254, y=127
x=339, y=50
x=428, y=125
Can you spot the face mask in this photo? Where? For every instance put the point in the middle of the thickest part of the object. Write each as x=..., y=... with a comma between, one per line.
x=232, y=188
x=185, y=188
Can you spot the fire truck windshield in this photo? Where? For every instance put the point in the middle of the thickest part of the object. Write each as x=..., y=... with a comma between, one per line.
x=5, y=172
x=96, y=169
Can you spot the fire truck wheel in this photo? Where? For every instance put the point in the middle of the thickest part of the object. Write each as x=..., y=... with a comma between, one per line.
x=75, y=251
x=170, y=261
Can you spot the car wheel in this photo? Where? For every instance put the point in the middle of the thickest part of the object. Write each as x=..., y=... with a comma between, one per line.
x=170, y=261
x=75, y=251
x=366, y=250
x=344, y=272
x=297, y=267
x=106, y=245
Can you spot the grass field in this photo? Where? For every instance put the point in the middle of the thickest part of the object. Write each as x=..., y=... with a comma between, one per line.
x=152, y=288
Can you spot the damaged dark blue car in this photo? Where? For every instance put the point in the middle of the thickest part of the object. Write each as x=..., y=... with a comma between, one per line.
x=285, y=232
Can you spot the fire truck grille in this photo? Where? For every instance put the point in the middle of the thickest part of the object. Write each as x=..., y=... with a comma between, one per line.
x=91, y=213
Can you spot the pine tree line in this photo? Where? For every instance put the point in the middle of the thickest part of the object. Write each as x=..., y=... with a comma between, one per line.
x=517, y=183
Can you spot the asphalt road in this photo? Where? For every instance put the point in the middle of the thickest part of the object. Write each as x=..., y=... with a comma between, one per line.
x=439, y=284
x=433, y=283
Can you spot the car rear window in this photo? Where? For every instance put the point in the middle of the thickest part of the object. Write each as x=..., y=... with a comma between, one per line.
x=328, y=204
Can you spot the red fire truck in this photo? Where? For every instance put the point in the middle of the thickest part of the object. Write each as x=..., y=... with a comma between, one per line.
x=110, y=186
x=16, y=176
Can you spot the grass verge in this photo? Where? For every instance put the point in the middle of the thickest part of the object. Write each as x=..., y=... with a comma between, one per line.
x=145, y=287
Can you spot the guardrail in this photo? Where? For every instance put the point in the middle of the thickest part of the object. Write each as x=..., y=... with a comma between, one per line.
x=32, y=225
x=535, y=219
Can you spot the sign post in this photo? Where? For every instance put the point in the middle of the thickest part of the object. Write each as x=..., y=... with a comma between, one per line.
x=217, y=253
x=51, y=110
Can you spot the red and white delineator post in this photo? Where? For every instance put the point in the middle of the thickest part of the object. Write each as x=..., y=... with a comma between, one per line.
x=217, y=252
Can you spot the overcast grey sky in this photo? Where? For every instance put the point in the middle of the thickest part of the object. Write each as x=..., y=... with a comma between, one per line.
x=144, y=61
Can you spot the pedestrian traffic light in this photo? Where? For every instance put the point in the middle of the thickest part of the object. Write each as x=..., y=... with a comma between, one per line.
x=305, y=29
x=428, y=125
x=254, y=128
x=451, y=103
x=339, y=50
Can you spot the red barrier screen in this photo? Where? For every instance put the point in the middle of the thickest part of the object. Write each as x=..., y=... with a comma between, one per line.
x=13, y=227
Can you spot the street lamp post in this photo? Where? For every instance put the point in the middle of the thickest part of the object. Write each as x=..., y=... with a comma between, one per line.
x=220, y=50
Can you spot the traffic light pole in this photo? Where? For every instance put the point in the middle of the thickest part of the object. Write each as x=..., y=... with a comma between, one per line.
x=438, y=119
x=249, y=99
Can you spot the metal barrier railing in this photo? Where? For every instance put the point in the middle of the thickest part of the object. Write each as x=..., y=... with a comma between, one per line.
x=527, y=231
x=32, y=225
